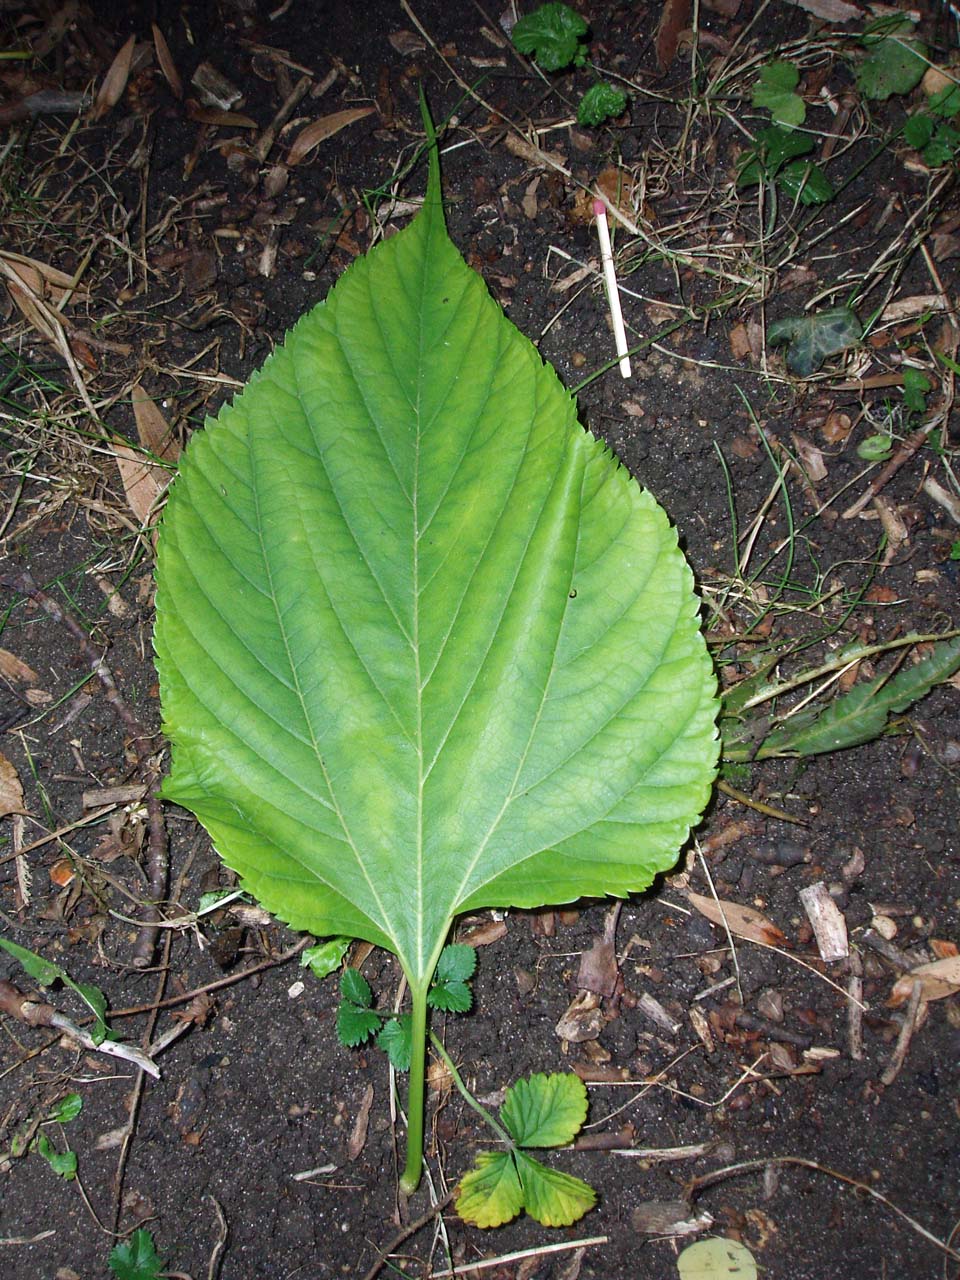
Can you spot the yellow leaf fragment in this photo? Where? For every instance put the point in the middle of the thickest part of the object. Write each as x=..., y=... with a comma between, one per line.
x=321, y=129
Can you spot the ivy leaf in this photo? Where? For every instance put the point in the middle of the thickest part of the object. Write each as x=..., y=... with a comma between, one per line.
x=812, y=339
x=136, y=1258
x=553, y=34
x=894, y=65
x=396, y=1041
x=553, y=1198
x=63, y=1163
x=490, y=1194
x=774, y=91
x=545, y=1111
x=805, y=182
x=325, y=957
x=601, y=102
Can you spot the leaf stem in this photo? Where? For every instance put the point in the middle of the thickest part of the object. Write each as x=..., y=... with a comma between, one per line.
x=466, y=1094
x=415, y=1098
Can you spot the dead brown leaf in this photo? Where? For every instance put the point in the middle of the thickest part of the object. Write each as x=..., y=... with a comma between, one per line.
x=14, y=668
x=221, y=119
x=143, y=481
x=743, y=921
x=156, y=434
x=582, y=1020
x=321, y=129
x=114, y=82
x=939, y=979
x=811, y=457
x=358, y=1137
x=167, y=64
x=599, y=970
x=837, y=427
x=674, y=18
x=740, y=342
x=11, y=792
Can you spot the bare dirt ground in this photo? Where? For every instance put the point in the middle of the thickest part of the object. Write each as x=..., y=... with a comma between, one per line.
x=156, y=244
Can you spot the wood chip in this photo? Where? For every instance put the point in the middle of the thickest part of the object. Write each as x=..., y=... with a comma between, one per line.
x=826, y=920
x=669, y=1218
x=15, y=669
x=582, y=1020
x=143, y=481
x=310, y=137
x=674, y=18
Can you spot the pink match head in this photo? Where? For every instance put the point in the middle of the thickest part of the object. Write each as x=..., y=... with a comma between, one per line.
x=598, y=208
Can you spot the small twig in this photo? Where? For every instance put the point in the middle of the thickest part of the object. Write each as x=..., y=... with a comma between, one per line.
x=902, y=455
x=910, y=1015
x=409, y=1230
x=228, y=981
x=157, y=862
x=35, y=1014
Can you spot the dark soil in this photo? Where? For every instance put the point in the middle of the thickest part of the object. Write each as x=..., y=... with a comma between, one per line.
x=256, y=1090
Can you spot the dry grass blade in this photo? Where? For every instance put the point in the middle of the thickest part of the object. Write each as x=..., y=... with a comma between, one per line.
x=167, y=64
x=321, y=129
x=114, y=82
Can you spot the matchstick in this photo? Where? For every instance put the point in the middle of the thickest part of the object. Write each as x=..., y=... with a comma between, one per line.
x=610, y=280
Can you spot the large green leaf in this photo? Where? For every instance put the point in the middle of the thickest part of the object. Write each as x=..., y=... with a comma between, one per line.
x=424, y=646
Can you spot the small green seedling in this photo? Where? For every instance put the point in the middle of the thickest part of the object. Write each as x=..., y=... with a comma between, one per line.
x=136, y=1258
x=45, y=973
x=357, y=1020
x=542, y=1111
x=63, y=1163
x=555, y=36
x=775, y=91
x=777, y=150
x=895, y=58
